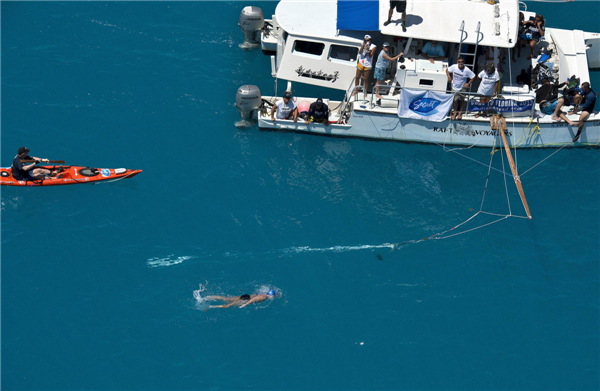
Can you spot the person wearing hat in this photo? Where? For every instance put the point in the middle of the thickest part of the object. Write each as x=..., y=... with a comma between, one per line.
x=490, y=79
x=365, y=63
x=318, y=112
x=383, y=61
x=285, y=108
x=400, y=6
x=28, y=172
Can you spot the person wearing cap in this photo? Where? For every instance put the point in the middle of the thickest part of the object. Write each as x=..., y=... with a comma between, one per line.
x=241, y=301
x=365, y=63
x=318, y=112
x=461, y=78
x=433, y=51
x=400, y=6
x=285, y=108
x=490, y=79
x=383, y=62
x=27, y=172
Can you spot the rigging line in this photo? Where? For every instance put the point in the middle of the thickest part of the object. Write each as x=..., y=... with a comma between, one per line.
x=549, y=156
x=488, y=177
x=544, y=159
x=498, y=214
x=512, y=109
x=472, y=229
x=453, y=228
x=458, y=153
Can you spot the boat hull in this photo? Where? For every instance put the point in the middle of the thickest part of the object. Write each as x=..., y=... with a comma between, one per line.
x=523, y=133
x=71, y=175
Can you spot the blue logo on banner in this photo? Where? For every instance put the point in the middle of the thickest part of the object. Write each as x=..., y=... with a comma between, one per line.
x=424, y=106
x=105, y=172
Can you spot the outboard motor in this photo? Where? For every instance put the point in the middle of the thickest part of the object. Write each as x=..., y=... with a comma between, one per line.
x=252, y=21
x=247, y=100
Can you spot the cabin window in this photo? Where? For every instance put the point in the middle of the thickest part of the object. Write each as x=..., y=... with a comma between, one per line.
x=344, y=53
x=314, y=48
x=426, y=82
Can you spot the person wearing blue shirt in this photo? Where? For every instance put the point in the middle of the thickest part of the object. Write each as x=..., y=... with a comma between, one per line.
x=587, y=107
x=433, y=51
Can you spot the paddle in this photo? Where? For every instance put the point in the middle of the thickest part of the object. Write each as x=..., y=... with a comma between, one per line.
x=49, y=161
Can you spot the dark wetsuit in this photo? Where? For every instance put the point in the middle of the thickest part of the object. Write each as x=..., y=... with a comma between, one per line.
x=589, y=102
x=547, y=92
x=17, y=170
x=316, y=114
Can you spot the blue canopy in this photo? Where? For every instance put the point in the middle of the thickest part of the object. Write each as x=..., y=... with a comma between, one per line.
x=358, y=15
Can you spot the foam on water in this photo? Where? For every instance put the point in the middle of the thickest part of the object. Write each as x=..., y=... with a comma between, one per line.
x=167, y=261
x=243, y=123
x=336, y=249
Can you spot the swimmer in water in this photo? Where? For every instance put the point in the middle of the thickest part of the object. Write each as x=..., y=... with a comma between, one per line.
x=241, y=301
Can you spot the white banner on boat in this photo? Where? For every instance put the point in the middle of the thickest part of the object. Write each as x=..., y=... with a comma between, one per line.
x=427, y=105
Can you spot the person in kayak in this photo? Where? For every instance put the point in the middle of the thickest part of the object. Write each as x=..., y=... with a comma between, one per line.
x=27, y=172
x=241, y=301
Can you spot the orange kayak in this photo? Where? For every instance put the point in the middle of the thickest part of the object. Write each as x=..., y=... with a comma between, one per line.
x=69, y=175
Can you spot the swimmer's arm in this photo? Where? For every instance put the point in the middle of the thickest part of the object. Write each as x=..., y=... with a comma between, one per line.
x=222, y=305
x=252, y=300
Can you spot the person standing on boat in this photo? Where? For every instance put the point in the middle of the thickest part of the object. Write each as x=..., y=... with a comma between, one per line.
x=318, y=112
x=285, y=108
x=365, y=63
x=433, y=51
x=461, y=78
x=534, y=31
x=587, y=107
x=383, y=61
x=27, y=172
x=400, y=6
x=490, y=79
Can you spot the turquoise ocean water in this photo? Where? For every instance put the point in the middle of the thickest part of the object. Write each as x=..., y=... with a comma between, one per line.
x=98, y=281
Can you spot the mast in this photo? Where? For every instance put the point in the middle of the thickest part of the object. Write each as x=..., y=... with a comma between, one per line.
x=500, y=123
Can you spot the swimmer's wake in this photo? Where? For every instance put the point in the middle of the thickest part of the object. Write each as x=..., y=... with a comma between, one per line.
x=336, y=249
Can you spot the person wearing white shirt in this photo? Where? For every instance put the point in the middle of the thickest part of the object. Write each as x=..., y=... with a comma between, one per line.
x=490, y=79
x=285, y=108
x=461, y=78
x=365, y=63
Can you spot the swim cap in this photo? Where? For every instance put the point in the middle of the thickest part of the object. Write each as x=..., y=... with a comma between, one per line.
x=271, y=293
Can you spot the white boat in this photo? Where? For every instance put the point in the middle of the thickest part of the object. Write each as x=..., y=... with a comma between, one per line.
x=317, y=43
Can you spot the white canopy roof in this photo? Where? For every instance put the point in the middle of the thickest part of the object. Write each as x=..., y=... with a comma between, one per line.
x=440, y=20
x=426, y=19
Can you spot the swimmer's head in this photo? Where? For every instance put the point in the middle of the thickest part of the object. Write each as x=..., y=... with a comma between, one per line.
x=271, y=293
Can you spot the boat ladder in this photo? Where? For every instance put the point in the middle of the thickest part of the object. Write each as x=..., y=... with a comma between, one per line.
x=463, y=37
